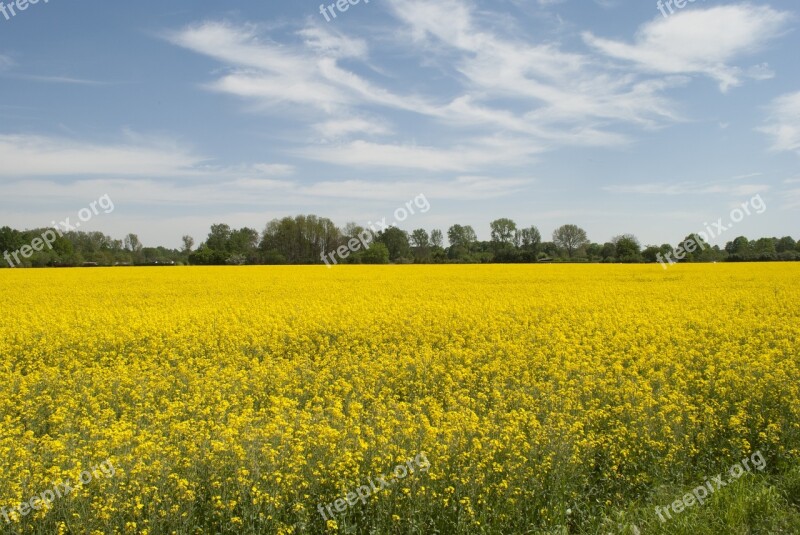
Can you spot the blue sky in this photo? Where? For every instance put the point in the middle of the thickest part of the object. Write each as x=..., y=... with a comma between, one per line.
x=606, y=114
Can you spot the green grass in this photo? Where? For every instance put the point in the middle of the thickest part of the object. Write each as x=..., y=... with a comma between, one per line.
x=754, y=504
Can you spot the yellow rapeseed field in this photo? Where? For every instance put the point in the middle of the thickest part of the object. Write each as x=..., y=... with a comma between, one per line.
x=237, y=400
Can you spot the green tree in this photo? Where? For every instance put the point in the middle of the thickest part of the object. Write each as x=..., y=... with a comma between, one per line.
x=396, y=241
x=784, y=244
x=188, y=244
x=764, y=249
x=219, y=237
x=421, y=245
x=627, y=248
x=300, y=239
x=10, y=241
x=132, y=243
x=609, y=252
x=503, y=233
x=420, y=238
x=437, y=238
x=739, y=250
x=243, y=244
x=530, y=239
x=570, y=238
x=462, y=240
x=691, y=248
x=377, y=253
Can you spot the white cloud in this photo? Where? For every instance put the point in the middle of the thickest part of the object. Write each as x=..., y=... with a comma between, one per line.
x=262, y=192
x=27, y=155
x=560, y=98
x=568, y=98
x=459, y=188
x=340, y=128
x=138, y=156
x=783, y=125
x=55, y=79
x=689, y=188
x=270, y=73
x=762, y=71
x=324, y=41
x=561, y=89
x=478, y=154
x=274, y=169
x=700, y=41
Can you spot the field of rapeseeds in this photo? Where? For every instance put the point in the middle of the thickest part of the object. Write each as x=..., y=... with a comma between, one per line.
x=544, y=399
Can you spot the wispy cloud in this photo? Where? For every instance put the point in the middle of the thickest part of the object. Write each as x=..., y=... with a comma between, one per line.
x=460, y=188
x=28, y=155
x=55, y=79
x=690, y=188
x=480, y=153
x=563, y=89
x=342, y=128
x=568, y=98
x=783, y=123
x=700, y=41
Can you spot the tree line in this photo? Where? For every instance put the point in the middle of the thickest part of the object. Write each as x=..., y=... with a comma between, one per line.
x=304, y=239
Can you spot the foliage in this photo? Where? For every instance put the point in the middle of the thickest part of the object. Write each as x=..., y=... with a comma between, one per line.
x=570, y=238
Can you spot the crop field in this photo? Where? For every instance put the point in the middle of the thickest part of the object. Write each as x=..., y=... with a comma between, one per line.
x=464, y=399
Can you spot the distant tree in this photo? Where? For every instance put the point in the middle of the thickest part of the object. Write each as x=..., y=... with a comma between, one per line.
x=10, y=241
x=419, y=238
x=785, y=244
x=236, y=259
x=243, y=244
x=132, y=243
x=437, y=238
x=377, y=253
x=188, y=244
x=530, y=239
x=462, y=240
x=548, y=250
x=351, y=230
x=205, y=256
x=396, y=241
x=461, y=236
x=764, y=249
x=243, y=239
x=299, y=240
x=692, y=248
x=651, y=253
x=219, y=237
x=504, y=231
x=739, y=250
x=594, y=251
x=570, y=238
x=421, y=246
x=609, y=252
x=627, y=248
